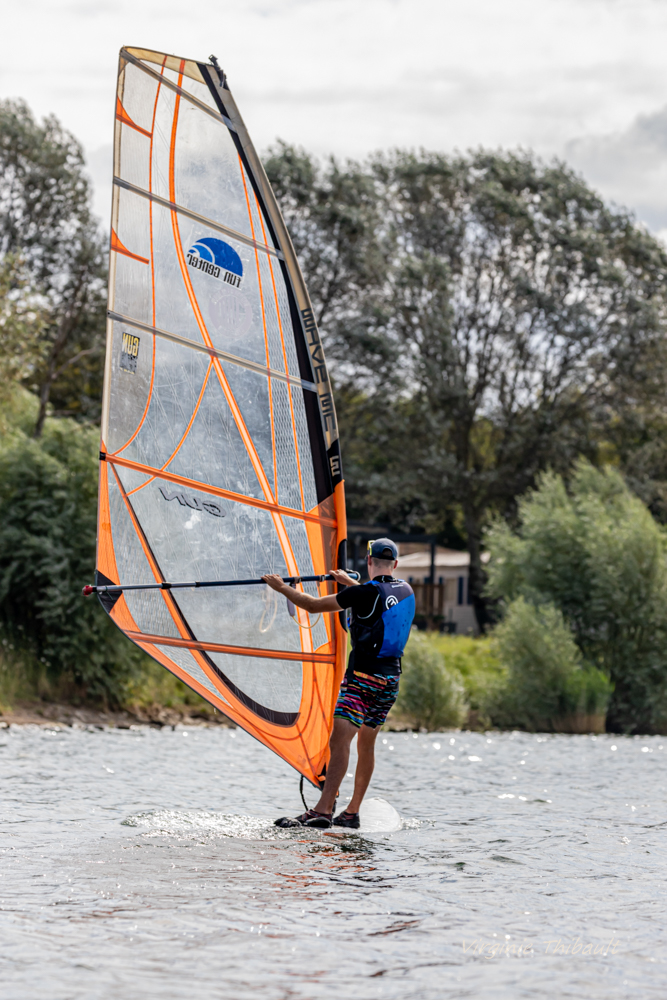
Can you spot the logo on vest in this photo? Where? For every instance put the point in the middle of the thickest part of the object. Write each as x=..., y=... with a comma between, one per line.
x=391, y=601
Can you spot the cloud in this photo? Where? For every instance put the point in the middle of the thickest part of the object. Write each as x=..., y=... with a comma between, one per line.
x=629, y=166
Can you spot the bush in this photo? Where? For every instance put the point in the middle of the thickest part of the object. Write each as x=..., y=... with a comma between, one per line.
x=548, y=681
x=48, y=515
x=597, y=555
x=431, y=696
x=476, y=663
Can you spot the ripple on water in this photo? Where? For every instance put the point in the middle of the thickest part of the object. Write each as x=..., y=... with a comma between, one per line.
x=146, y=864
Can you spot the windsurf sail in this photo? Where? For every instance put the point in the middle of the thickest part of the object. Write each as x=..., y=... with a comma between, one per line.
x=220, y=458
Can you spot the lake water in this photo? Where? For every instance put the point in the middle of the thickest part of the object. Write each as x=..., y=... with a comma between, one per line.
x=143, y=864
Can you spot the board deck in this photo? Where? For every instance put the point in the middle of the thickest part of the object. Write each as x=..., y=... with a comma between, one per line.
x=378, y=816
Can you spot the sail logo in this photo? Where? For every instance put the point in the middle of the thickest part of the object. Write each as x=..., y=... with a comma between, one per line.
x=129, y=352
x=217, y=259
x=189, y=501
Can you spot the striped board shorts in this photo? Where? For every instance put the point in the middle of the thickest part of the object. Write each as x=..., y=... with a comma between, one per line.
x=365, y=699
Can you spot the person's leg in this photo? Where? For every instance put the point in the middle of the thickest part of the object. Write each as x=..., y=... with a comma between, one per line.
x=381, y=696
x=365, y=766
x=341, y=738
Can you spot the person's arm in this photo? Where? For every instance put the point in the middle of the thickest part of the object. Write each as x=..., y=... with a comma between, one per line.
x=313, y=605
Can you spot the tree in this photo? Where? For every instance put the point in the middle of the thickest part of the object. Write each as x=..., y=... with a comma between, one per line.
x=45, y=219
x=549, y=686
x=21, y=326
x=595, y=553
x=48, y=519
x=512, y=315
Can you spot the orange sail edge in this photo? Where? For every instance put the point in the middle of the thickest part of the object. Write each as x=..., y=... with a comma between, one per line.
x=172, y=477
x=288, y=743
x=119, y=247
x=122, y=116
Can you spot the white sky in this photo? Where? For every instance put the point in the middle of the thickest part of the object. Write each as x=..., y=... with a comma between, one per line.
x=581, y=79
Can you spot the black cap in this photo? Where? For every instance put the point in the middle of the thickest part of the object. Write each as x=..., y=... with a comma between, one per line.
x=382, y=548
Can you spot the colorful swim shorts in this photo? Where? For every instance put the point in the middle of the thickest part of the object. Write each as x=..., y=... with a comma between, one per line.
x=366, y=699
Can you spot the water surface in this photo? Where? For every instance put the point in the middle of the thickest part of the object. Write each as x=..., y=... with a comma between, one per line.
x=143, y=864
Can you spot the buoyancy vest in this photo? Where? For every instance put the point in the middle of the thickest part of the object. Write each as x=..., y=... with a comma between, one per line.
x=384, y=632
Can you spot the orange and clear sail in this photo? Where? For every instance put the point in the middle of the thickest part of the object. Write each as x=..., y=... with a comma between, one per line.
x=220, y=457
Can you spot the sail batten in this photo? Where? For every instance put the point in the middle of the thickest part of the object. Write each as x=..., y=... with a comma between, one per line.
x=204, y=220
x=211, y=351
x=220, y=458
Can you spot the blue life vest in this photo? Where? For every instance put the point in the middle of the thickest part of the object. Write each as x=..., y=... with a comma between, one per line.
x=385, y=631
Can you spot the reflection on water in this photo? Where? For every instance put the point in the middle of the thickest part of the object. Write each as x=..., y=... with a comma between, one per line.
x=145, y=864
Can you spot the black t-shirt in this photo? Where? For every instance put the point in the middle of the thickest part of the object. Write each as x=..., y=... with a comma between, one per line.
x=364, y=600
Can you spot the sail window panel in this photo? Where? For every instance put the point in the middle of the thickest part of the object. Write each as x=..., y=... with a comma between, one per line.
x=134, y=158
x=133, y=224
x=131, y=294
x=213, y=451
x=208, y=176
x=286, y=321
x=131, y=479
x=162, y=129
x=129, y=390
x=275, y=331
x=200, y=91
x=147, y=607
x=186, y=661
x=303, y=441
x=173, y=308
x=251, y=393
x=190, y=543
x=261, y=231
x=296, y=531
x=137, y=92
x=274, y=685
x=287, y=472
x=178, y=381
x=232, y=312
x=171, y=74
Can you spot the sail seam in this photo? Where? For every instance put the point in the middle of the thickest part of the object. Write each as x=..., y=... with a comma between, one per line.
x=217, y=647
x=234, y=359
x=197, y=217
x=172, y=477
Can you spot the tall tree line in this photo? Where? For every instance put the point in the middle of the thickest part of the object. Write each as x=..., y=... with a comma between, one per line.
x=52, y=266
x=486, y=317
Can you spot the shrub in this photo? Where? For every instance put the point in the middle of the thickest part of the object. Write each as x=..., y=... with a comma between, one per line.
x=48, y=505
x=431, y=696
x=548, y=680
x=476, y=663
x=595, y=553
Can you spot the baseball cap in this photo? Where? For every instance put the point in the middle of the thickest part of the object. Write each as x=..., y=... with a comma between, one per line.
x=382, y=548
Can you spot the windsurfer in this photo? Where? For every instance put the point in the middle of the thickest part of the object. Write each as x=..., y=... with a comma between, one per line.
x=381, y=615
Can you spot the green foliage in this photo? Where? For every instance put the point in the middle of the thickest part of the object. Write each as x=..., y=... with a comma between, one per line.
x=46, y=223
x=548, y=679
x=21, y=326
x=153, y=685
x=431, y=695
x=48, y=502
x=486, y=315
x=598, y=556
x=22, y=676
x=481, y=672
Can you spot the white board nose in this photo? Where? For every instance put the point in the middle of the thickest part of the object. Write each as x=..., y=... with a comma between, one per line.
x=378, y=816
